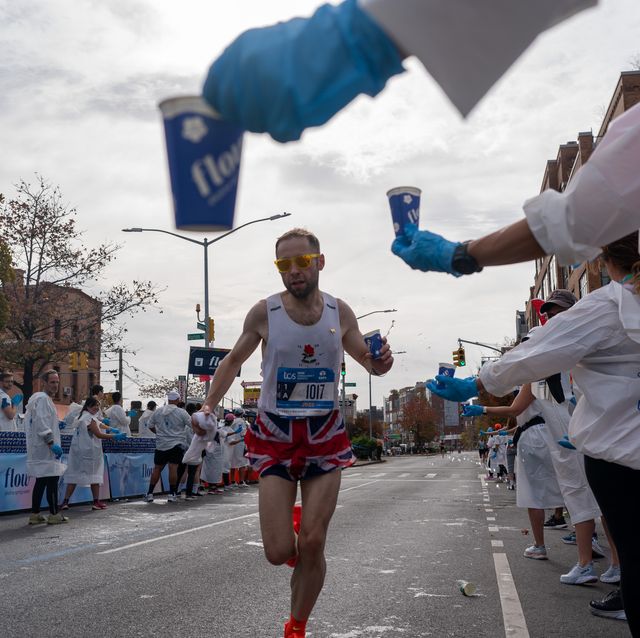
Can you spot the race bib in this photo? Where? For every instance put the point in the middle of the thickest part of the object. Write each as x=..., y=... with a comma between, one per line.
x=305, y=391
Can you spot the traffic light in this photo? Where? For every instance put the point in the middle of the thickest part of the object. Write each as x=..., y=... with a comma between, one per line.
x=456, y=357
x=73, y=360
x=83, y=360
x=211, y=331
x=461, y=357
x=343, y=370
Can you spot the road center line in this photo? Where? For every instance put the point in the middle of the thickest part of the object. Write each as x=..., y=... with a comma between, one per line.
x=200, y=527
x=515, y=625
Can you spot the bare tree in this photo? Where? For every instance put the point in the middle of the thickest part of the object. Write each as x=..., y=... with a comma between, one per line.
x=162, y=386
x=51, y=315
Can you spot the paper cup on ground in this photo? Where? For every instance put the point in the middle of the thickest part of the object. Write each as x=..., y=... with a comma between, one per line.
x=204, y=164
x=447, y=369
x=373, y=340
x=466, y=588
x=404, y=202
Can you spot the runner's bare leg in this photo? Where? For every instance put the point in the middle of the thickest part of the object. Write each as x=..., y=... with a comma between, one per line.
x=319, y=498
x=276, y=497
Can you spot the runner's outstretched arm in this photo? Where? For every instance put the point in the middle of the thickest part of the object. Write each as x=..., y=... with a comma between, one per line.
x=249, y=340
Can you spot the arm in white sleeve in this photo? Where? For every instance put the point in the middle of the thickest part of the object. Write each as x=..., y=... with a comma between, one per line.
x=600, y=204
x=121, y=416
x=556, y=347
x=468, y=45
x=41, y=420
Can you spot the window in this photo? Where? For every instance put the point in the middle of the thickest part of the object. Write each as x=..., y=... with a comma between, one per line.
x=553, y=274
x=584, y=284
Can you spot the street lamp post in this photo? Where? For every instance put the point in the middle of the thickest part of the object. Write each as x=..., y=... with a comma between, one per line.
x=373, y=312
x=205, y=243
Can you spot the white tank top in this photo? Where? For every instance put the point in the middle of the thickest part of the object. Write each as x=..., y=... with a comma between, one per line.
x=301, y=364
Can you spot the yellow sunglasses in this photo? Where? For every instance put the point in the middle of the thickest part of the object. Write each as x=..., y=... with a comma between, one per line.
x=301, y=261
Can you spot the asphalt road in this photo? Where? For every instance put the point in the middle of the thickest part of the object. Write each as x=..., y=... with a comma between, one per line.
x=404, y=532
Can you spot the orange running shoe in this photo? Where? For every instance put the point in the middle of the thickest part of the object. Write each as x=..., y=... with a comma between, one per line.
x=297, y=517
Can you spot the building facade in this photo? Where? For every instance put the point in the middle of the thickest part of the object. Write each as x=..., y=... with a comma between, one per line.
x=581, y=279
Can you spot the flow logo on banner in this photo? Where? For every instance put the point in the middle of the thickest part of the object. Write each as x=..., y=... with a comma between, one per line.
x=205, y=361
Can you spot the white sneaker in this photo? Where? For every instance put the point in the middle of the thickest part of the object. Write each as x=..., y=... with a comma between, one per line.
x=537, y=552
x=243, y=484
x=580, y=575
x=148, y=498
x=172, y=498
x=612, y=575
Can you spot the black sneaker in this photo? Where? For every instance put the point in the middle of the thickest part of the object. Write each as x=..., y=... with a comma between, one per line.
x=555, y=523
x=609, y=607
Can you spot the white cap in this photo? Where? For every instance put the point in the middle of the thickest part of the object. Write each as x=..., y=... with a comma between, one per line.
x=173, y=395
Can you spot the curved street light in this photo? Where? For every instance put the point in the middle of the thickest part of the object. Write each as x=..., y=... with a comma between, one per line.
x=205, y=243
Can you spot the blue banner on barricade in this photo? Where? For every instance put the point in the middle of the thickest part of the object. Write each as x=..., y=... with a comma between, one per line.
x=82, y=494
x=129, y=473
x=16, y=484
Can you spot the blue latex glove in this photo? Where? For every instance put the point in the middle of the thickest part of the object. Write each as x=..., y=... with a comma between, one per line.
x=5, y=403
x=503, y=433
x=425, y=251
x=564, y=442
x=131, y=413
x=120, y=436
x=472, y=410
x=494, y=455
x=62, y=425
x=106, y=420
x=458, y=390
x=287, y=77
x=113, y=431
x=17, y=399
x=57, y=450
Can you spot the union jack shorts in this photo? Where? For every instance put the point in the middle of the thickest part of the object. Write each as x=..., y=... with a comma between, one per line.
x=298, y=448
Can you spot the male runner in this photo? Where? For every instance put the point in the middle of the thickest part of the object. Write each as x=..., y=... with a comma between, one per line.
x=299, y=434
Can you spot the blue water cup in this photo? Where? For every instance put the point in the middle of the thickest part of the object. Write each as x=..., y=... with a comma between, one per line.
x=204, y=164
x=373, y=340
x=405, y=207
x=446, y=369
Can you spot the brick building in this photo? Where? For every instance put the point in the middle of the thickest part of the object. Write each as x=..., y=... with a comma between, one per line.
x=557, y=174
x=69, y=321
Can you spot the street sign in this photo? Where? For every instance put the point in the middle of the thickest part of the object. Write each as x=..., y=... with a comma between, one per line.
x=350, y=384
x=346, y=404
x=195, y=336
x=201, y=326
x=206, y=360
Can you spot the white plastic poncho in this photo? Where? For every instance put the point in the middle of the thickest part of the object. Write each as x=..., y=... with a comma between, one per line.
x=170, y=422
x=41, y=426
x=598, y=339
x=6, y=424
x=86, y=458
x=199, y=442
x=537, y=486
x=118, y=419
x=143, y=425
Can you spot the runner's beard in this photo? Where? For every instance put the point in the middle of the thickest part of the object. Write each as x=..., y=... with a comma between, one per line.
x=304, y=292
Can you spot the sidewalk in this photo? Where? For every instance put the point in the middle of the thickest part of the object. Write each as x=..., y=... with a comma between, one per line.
x=362, y=462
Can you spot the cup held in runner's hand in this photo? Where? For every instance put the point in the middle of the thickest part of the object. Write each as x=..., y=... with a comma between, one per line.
x=204, y=163
x=373, y=340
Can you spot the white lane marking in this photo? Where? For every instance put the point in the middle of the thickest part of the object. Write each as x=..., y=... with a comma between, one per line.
x=491, y=518
x=515, y=625
x=180, y=533
x=432, y=475
x=488, y=510
x=350, y=475
x=377, y=475
x=403, y=474
x=493, y=529
x=495, y=543
x=200, y=527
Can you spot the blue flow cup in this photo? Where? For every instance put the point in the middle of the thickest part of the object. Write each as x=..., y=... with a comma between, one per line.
x=204, y=164
x=447, y=369
x=373, y=340
x=405, y=207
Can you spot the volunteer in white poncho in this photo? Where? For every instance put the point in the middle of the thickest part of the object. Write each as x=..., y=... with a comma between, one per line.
x=86, y=458
x=44, y=450
x=8, y=404
x=599, y=341
x=143, y=422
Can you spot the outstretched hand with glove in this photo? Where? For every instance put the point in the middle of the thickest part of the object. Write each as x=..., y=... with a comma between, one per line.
x=453, y=389
x=264, y=80
x=472, y=410
x=424, y=250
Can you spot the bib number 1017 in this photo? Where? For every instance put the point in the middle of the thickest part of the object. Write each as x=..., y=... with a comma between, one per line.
x=314, y=391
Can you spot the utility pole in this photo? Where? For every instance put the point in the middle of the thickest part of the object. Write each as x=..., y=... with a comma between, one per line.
x=120, y=372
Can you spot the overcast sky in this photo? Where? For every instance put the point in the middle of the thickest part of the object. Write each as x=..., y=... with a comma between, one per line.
x=79, y=85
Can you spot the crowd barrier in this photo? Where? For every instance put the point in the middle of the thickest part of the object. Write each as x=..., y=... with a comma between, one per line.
x=127, y=469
